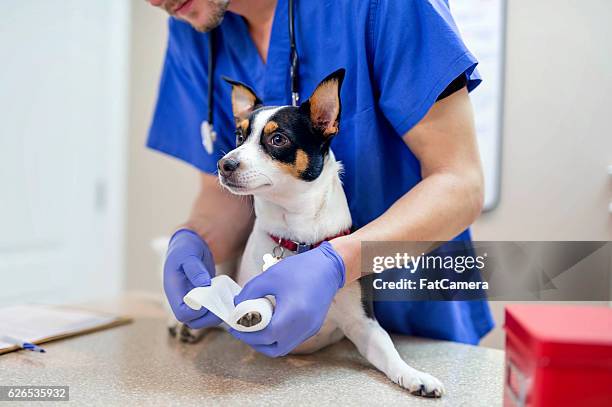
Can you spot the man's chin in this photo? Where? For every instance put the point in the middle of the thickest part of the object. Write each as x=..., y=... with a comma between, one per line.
x=212, y=18
x=204, y=28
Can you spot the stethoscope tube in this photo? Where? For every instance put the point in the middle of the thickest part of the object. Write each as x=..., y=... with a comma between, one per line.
x=211, y=71
x=294, y=59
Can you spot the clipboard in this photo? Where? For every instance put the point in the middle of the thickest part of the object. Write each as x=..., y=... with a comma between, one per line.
x=40, y=324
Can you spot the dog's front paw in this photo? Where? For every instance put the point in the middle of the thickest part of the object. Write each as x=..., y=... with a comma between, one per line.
x=250, y=319
x=419, y=383
x=185, y=334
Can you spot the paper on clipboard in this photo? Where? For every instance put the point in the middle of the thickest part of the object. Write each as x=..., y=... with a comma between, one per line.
x=42, y=323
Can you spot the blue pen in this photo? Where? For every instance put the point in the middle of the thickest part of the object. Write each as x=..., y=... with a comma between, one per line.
x=22, y=344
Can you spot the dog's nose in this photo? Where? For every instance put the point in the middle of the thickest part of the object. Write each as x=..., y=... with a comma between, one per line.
x=227, y=166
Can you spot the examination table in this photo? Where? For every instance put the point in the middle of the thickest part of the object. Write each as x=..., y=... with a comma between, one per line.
x=139, y=364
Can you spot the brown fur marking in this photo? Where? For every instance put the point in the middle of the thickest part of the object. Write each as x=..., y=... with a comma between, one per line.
x=270, y=127
x=301, y=161
x=243, y=102
x=330, y=131
x=244, y=125
x=325, y=107
x=299, y=165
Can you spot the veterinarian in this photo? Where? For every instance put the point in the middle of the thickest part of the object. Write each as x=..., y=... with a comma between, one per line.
x=408, y=145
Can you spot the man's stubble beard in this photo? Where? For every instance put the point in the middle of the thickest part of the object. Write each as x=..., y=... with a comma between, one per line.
x=218, y=9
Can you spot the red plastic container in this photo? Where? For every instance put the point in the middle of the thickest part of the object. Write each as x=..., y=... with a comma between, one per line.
x=558, y=356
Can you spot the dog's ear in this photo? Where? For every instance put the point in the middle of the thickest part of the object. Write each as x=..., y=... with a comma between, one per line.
x=244, y=99
x=324, y=106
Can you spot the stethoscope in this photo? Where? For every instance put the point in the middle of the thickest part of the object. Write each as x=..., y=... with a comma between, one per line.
x=209, y=136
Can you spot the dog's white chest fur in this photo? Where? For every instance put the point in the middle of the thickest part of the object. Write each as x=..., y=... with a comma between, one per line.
x=323, y=213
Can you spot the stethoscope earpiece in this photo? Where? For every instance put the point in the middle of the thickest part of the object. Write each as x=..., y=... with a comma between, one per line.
x=207, y=130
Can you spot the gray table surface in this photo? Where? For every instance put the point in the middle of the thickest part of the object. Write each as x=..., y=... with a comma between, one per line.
x=139, y=364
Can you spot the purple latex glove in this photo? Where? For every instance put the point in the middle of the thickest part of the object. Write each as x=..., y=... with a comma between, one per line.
x=189, y=264
x=304, y=287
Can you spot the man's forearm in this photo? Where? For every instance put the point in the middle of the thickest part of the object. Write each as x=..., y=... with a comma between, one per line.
x=223, y=220
x=436, y=210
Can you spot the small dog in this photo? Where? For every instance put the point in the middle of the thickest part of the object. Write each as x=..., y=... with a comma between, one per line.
x=283, y=158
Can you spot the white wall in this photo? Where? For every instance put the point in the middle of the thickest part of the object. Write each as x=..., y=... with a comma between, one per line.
x=161, y=188
x=557, y=141
x=557, y=137
x=62, y=149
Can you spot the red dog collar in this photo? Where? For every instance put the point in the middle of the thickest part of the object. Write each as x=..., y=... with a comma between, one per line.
x=298, y=247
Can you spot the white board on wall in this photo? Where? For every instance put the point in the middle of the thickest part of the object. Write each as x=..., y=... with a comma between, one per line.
x=483, y=26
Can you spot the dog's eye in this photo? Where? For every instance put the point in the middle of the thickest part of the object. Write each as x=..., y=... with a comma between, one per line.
x=239, y=138
x=278, y=140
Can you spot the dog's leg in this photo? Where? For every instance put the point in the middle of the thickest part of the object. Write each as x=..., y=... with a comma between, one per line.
x=374, y=344
x=181, y=331
x=327, y=335
x=185, y=334
x=177, y=329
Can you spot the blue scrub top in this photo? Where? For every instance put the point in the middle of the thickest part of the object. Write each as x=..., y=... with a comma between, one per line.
x=399, y=57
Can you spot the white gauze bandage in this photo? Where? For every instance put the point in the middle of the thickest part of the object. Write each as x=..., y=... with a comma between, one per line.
x=218, y=298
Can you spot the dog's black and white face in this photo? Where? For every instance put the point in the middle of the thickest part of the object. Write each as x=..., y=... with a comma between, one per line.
x=275, y=146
